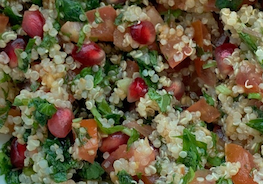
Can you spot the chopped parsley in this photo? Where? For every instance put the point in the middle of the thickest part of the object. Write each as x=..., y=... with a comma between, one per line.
x=98, y=76
x=5, y=109
x=215, y=161
x=209, y=99
x=189, y=176
x=92, y=4
x=48, y=41
x=194, y=149
x=163, y=101
x=232, y=4
x=124, y=177
x=223, y=180
x=118, y=20
x=256, y=124
x=43, y=109
x=249, y=40
x=81, y=39
x=13, y=18
x=91, y=171
x=70, y=10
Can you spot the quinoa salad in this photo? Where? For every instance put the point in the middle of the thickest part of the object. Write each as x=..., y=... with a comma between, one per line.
x=131, y=91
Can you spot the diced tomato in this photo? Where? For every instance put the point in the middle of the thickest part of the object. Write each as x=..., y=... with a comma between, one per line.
x=118, y=38
x=249, y=78
x=236, y=153
x=206, y=75
x=210, y=6
x=90, y=54
x=137, y=89
x=131, y=68
x=104, y=30
x=154, y=15
x=89, y=150
x=3, y=22
x=10, y=48
x=208, y=112
x=33, y=22
x=202, y=173
x=17, y=154
x=113, y=141
x=60, y=123
x=177, y=87
x=141, y=159
x=221, y=53
x=143, y=32
x=201, y=33
x=144, y=130
x=72, y=30
x=174, y=57
x=150, y=179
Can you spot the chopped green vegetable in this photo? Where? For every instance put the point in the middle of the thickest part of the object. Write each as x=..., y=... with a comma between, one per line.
x=83, y=136
x=92, y=4
x=257, y=124
x=134, y=136
x=223, y=89
x=254, y=96
x=249, y=40
x=124, y=177
x=98, y=19
x=70, y=10
x=5, y=77
x=91, y=171
x=5, y=164
x=208, y=99
x=163, y=101
x=223, y=180
x=215, y=161
x=81, y=39
x=13, y=18
x=209, y=65
x=23, y=63
x=232, y=4
x=60, y=166
x=195, y=150
x=98, y=76
x=12, y=177
x=37, y=2
x=34, y=86
x=118, y=20
x=189, y=176
x=48, y=41
x=258, y=111
x=4, y=109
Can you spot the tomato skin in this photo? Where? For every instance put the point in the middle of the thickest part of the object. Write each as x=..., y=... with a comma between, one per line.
x=88, y=151
x=222, y=52
x=60, y=123
x=104, y=30
x=248, y=76
x=236, y=153
x=19, y=43
x=206, y=75
x=208, y=112
x=3, y=22
x=17, y=154
x=33, y=22
x=89, y=55
x=113, y=141
x=177, y=87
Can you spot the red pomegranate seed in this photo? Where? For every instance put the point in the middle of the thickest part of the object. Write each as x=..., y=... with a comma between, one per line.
x=33, y=22
x=111, y=143
x=17, y=154
x=143, y=33
x=18, y=43
x=137, y=89
x=60, y=123
x=222, y=52
x=90, y=54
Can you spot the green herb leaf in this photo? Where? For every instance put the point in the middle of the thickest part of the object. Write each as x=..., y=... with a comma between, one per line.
x=208, y=99
x=258, y=111
x=163, y=101
x=124, y=177
x=118, y=20
x=23, y=64
x=249, y=40
x=189, y=176
x=37, y=2
x=222, y=180
x=69, y=10
x=215, y=161
x=13, y=177
x=257, y=124
x=5, y=164
x=92, y=4
x=134, y=136
x=98, y=76
x=232, y=4
x=13, y=18
x=34, y=86
x=81, y=39
x=48, y=41
x=195, y=150
x=91, y=171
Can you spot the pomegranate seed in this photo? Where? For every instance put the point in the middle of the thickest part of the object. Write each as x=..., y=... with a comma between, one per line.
x=17, y=154
x=137, y=89
x=177, y=87
x=143, y=33
x=33, y=22
x=18, y=43
x=222, y=52
x=90, y=54
x=60, y=123
x=111, y=143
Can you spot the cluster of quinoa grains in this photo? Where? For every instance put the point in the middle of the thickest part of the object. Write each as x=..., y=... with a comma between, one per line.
x=131, y=91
